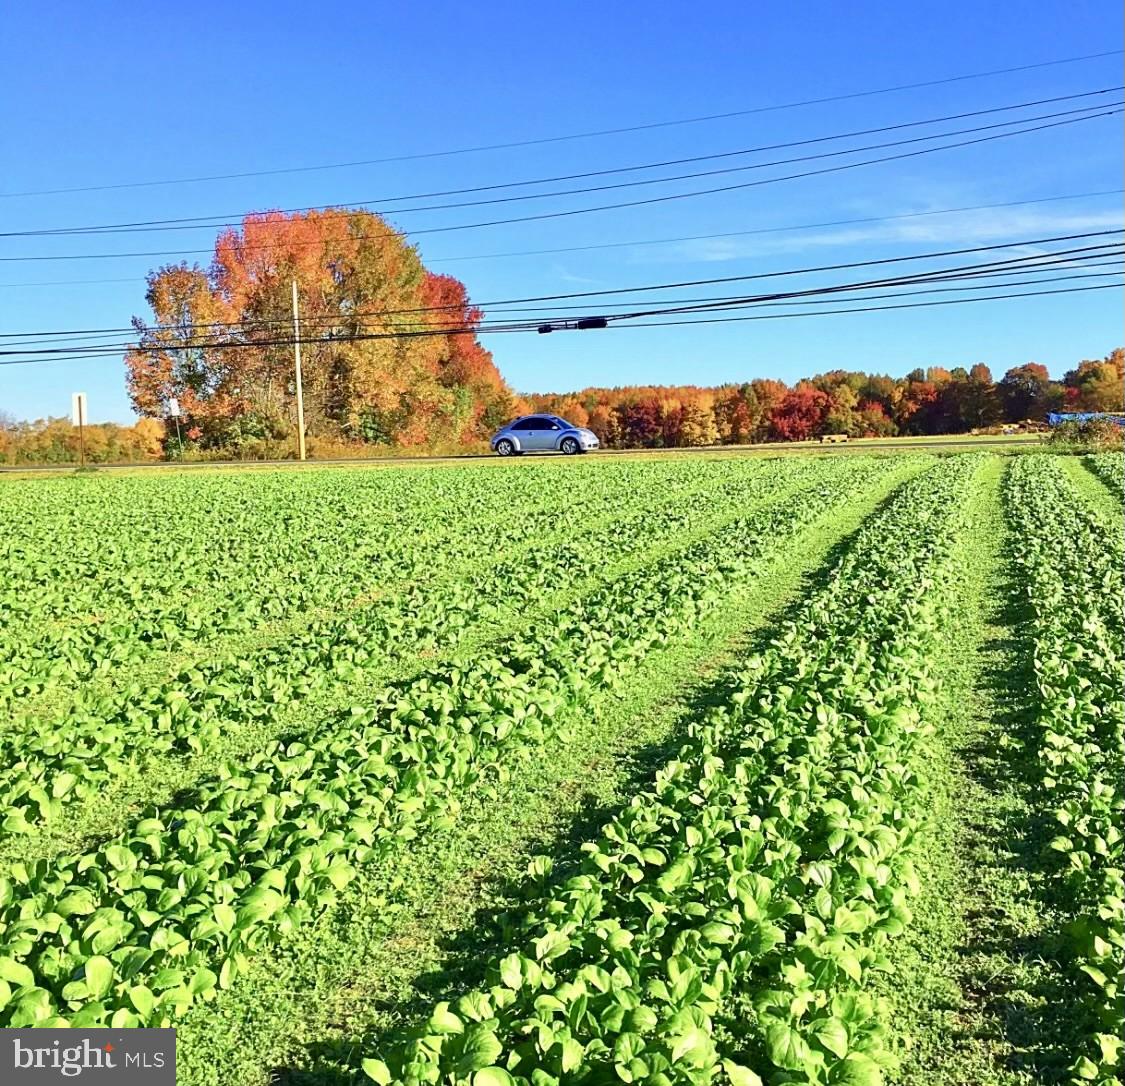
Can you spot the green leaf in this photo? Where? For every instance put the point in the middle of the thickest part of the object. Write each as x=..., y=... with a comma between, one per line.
x=627, y=1047
x=572, y=1055
x=142, y=999
x=739, y=1075
x=551, y=946
x=856, y=1070
x=225, y=916
x=99, y=975
x=480, y=1048
x=1110, y=1047
x=443, y=1020
x=511, y=971
x=786, y=1047
x=850, y=965
x=16, y=972
x=377, y=1071
x=832, y=1034
x=493, y=1076
x=62, y=784
x=120, y=858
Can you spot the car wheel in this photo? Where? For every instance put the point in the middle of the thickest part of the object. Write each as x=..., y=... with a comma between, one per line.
x=570, y=446
x=505, y=448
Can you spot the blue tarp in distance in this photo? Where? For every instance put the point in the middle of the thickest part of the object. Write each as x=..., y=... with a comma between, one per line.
x=1054, y=418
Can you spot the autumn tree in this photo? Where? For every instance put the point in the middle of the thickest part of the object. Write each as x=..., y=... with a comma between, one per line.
x=389, y=352
x=915, y=404
x=841, y=416
x=697, y=426
x=800, y=415
x=872, y=420
x=1098, y=385
x=641, y=423
x=1025, y=392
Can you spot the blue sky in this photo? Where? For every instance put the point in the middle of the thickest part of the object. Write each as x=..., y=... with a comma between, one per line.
x=108, y=94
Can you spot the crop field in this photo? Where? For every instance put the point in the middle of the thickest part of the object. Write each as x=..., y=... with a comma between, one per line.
x=746, y=770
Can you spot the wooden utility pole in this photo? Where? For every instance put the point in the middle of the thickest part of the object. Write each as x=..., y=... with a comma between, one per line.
x=78, y=405
x=300, y=391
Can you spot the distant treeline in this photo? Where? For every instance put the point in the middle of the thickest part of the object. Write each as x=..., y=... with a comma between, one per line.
x=55, y=441
x=931, y=401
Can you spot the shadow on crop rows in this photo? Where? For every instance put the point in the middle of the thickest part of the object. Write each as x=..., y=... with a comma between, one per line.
x=490, y=932
x=1013, y=944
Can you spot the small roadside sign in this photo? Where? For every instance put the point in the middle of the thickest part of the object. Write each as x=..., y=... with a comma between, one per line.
x=173, y=407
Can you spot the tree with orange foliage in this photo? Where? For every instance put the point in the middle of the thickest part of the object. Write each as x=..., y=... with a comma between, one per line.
x=801, y=414
x=378, y=363
x=1098, y=385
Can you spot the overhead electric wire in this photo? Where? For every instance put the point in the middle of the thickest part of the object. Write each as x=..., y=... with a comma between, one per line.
x=529, y=327
x=611, y=207
x=1007, y=267
x=573, y=136
x=865, y=309
x=736, y=302
x=682, y=284
x=1116, y=262
x=939, y=275
x=727, y=233
x=670, y=241
x=1066, y=264
x=650, y=287
x=231, y=219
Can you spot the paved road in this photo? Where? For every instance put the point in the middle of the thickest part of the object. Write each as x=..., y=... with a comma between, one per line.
x=886, y=445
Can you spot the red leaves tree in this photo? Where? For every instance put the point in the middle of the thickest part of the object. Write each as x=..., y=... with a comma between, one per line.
x=800, y=415
x=377, y=362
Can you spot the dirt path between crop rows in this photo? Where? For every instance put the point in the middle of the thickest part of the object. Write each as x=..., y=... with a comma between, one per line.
x=382, y=957
x=975, y=995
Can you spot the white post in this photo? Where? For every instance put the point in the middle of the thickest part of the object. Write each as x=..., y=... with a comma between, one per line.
x=300, y=391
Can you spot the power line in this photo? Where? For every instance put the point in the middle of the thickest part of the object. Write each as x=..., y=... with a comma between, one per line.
x=231, y=219
x=865, y=309
x=965, y=271
x=608, y=207
x=1102, y=260
x=650, y=287
x=670, y=241
x=661, y=324
x=1007, y=266
x=944, y=81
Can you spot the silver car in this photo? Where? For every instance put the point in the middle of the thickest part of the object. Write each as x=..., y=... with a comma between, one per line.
x=542, y=433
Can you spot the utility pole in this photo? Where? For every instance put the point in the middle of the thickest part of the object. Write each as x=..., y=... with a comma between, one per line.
x=300, y=391
x=78, y=411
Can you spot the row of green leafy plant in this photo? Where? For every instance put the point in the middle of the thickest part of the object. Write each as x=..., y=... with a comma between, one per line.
x=724, y=926
x=1070, y=563
x=1110, y=468
x=125, y=571
x=172, y=908
x=57, y=762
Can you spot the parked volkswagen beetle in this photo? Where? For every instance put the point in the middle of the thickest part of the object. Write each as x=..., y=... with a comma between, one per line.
x=542, y=433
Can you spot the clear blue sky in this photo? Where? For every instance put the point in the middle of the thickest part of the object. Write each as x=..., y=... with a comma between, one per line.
x=104, y=94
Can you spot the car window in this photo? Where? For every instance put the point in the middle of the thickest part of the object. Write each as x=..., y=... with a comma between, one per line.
x=527, y=424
